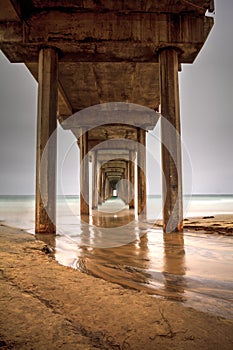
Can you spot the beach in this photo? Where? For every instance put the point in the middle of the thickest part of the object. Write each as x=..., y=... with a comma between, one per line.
x=210, y=224
x=220, y=224
x=45, y=305
x=116, y=197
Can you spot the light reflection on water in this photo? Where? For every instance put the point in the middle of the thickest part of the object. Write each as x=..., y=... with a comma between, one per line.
x=194, y=268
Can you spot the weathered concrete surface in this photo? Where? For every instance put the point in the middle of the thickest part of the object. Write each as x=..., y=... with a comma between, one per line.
x=46, y=150
x=48, y=306
x=108, y=49
x=84, y=174
x=171, y=142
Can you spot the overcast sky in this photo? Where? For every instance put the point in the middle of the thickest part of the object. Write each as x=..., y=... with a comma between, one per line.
x=206, y=92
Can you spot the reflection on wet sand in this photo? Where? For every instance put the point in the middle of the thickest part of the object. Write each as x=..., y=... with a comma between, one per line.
x=116, y=219
x=128, y=264
x=122, y=264
x=122, y=250
x=174, y=265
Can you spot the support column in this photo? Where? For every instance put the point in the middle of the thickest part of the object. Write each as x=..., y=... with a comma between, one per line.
x=99, y=177
x=94, y=180
x=84, y=174
x=109, y=190
x=102, y=186
x=106, y=188
x=119, y=189
x=122, y=185
x=171, y=145
x=141, y=138
x=131, y=179
x=127, y=184
x=46, y=126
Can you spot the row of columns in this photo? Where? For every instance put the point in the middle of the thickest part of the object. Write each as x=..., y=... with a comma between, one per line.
x=46, y=156
x=101, y=181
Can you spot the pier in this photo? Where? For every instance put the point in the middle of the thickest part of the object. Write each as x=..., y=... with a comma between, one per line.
x=107, y=71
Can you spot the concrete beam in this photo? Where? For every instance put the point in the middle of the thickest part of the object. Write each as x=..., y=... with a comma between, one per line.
x=110, y=157
x=101, y=145
x=114, y=164
x=116, y=173
x=117, y=116
x=163, y=6
x=131, y=37
x=109, y=170
x=114, y=178
x=147, y=27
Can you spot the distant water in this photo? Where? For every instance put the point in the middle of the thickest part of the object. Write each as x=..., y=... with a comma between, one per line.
x=19, y=210
x=194, y=269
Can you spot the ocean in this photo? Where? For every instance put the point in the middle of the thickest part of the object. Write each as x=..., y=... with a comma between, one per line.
x=19, y=210
x=194, y=269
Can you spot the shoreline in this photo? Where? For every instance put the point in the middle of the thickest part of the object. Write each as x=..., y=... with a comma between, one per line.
x=45, y=305
x=215, y=224
x=220, y=224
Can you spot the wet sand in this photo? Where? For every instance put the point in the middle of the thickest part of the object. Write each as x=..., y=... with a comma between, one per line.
x=218, y=224
x=48, y=306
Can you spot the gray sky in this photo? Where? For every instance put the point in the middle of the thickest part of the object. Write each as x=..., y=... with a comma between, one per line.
x=206, y=92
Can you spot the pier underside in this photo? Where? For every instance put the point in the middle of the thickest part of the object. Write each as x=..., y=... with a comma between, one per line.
x=89, y=53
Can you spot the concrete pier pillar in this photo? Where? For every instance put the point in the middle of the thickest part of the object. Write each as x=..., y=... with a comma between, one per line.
x=132, y=180
x=127, y=184
x=94, y=180
x=141, y=169
x=109, y=190
x=171, y=145
x=106, y=189
x=123, y=189
x=46, y=126
x=99, y=184
x=84, y=174
x=102, y=186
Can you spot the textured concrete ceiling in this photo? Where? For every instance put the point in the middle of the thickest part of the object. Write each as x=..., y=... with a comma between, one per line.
x=107, y=48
